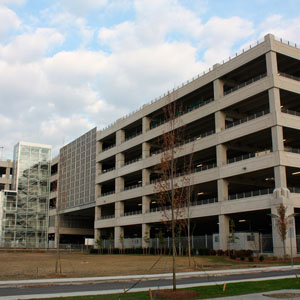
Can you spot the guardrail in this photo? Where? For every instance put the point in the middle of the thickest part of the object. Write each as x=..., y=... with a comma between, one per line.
x=132, y=213
x=251, y=194
x=109, y=147
x=202, y=135
x=247, y=119
x=132, y=136
x=131, y=187
x=132, y=161
x=239, y=86
x=289, y=76
x=183, y=112
x=290, y=112
x=293, y=150
x=247, y=156
x=106, y=217
x=107, y=193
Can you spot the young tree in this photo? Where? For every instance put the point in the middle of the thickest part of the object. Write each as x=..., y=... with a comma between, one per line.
x=167, y=187
x=282, y=222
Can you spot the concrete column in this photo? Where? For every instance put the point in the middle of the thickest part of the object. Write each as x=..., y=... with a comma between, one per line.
x=222, y=190
x=290, y=242
x=145, y=235
x=57, y=233
x=97, y=212
x=98, y=189
x=119, y=209
x=221, y=155
x=99, y=146
x=280, y=177
x=119, y=184
x=146, y=204
x=146, y=176
x=218, y=89
x=274, y=100
x=146, y=150
x=146, y=124
x=98, y=168
x=271, y=60
x=97, y=235
x=120, y=160
x=277, y=138
x=120, y=137
x=119, y=232
x=220, y=121
x=224, y=231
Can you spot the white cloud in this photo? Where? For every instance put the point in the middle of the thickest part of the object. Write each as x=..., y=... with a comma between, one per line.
x=288, y=29
x=30, y=47
x=8, y=21
x=9, y=2
x=83, y=7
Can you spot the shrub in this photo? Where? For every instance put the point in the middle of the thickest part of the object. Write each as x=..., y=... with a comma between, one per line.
x=274, y=257
x=93, y=251
x=212, y=252
x=232, y=256
x=220, y=252
x=250, y=258
x=248, y=253
x=203, y=251
x=242, y=258
x=261, y=258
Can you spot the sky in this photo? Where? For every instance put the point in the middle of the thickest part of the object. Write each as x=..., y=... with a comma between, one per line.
x=67, y=66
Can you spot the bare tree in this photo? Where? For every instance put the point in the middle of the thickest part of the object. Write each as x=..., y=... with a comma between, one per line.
x=167, y=187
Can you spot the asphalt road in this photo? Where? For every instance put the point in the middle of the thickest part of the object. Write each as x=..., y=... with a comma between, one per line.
x=154, y=284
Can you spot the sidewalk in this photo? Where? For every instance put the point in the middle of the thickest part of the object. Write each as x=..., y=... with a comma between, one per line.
x=58, y=281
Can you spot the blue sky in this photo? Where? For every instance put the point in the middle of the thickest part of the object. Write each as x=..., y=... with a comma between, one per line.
x=69, y=65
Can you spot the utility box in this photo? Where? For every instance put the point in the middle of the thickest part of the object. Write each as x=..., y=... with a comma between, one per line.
x=242, y=241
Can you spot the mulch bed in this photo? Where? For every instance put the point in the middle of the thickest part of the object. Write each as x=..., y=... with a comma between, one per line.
x=178, y=294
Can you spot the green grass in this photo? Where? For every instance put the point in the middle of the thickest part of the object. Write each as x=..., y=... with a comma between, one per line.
x=214, y=291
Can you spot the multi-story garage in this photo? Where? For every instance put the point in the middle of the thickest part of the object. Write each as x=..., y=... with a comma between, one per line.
x=241, y=120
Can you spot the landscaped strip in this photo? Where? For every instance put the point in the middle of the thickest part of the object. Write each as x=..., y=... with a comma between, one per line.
x=206, y=292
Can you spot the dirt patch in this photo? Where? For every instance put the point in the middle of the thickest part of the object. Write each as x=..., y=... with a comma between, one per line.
x=38, y=265
x=178, y=294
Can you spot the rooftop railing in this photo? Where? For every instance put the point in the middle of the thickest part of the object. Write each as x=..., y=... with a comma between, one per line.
x=239, y=86
x=251, y=194
x=247, y=119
